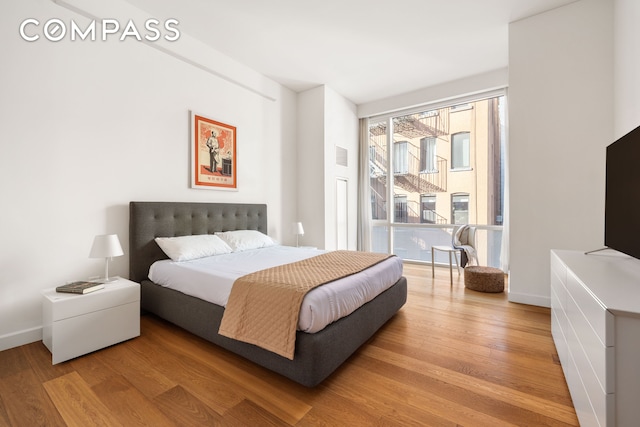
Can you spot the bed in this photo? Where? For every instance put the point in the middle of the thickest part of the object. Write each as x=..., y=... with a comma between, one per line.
x=317, y=355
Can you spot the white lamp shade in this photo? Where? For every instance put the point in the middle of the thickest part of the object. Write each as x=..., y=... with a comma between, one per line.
x=298, y=228
x=106, y=246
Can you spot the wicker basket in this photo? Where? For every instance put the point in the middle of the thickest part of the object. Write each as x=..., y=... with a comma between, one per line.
x=484, y=279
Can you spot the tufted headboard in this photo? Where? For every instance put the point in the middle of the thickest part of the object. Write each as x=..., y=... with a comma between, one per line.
x=148, y=220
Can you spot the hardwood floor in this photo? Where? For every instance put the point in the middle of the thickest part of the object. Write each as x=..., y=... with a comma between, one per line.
x=450, y=357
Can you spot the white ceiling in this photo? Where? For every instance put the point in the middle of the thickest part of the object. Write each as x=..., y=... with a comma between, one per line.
x=364, y=49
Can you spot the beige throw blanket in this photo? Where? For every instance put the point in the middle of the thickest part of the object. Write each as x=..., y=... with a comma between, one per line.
x=264, y=306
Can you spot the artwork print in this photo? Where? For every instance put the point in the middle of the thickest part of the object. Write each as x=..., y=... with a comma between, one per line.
x=213, y=154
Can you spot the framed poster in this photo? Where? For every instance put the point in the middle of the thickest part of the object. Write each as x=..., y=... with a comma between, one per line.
x=213, y=154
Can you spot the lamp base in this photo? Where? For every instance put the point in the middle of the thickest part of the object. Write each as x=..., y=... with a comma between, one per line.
x=106, y=278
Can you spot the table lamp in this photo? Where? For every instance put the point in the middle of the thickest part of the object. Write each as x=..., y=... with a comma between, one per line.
x=106, y=246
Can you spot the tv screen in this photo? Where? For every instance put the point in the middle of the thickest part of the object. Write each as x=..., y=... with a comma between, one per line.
x=622, y=195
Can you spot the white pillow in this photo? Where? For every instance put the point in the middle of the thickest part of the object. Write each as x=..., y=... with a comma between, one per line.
x=243, y=240
x=185, y=248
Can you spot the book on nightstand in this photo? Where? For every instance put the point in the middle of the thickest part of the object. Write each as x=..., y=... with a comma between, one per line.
x=80, y=287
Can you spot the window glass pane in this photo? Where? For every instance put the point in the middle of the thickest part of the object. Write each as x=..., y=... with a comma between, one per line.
x=460, y=208
x=378, y=169
x=460, y=150
x=415, y=243
x=401, y=212
x=428, y=155
x=489, y=246
x=429, y=209
x=401, y=158
x=380, y=239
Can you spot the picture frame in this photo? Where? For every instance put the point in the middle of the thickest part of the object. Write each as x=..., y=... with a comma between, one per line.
x=213, y=154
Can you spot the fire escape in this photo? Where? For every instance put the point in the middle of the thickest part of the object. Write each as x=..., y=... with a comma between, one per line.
x=409, y=168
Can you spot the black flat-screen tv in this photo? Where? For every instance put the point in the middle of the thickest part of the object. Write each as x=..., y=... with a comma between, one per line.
x=622, y=195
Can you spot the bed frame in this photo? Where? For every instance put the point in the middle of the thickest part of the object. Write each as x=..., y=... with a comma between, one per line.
x=316, y=355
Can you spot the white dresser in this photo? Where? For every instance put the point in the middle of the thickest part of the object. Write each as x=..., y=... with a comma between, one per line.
x=595, y=322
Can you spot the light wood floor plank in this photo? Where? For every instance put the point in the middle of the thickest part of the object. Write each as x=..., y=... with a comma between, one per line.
x=128, y=363
x=93, y=370
x=247, y=413
x=331, y=409
x=4, y=416
x=129, y=405
x=185, y=409
x=25, y=401
x=77, y=403
x=12, y=361
x=39, y=359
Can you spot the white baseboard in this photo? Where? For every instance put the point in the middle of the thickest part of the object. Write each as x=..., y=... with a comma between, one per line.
x=16, y=339
x=530, y=299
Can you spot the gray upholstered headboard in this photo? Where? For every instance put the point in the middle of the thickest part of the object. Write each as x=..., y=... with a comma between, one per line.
x=148, y=220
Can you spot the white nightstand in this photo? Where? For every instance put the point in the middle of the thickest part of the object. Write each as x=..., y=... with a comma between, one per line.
x=74, y=325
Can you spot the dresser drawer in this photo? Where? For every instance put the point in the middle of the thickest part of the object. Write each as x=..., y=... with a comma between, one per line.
x=595, y=360
x=80, y=335
x=599, y=319
x=558, y=269
x=590, y=401
x=558, y=324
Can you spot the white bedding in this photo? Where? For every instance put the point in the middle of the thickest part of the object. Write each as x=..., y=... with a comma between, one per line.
x=211, y=279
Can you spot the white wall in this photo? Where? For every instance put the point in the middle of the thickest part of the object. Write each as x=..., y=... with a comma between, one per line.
x=560, y=121
x=310, y=163
x=341, y=129
x=86, y=127
x=325, y=120
x=626, y=66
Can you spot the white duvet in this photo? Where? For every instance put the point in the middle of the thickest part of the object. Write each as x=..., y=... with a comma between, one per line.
x=211, y=279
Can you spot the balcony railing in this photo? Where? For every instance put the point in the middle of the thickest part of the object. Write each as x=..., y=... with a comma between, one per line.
x=429, y=216
x=409, y=169
x=432, y=124
x=409, y=174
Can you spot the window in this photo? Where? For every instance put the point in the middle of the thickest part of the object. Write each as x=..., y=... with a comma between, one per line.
x=428, y=155
x=428, y=205
x=400, y=158
x=417, y=194
x=460, y=208
x=401, y=209
x=460, y=151
x=461, y=107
